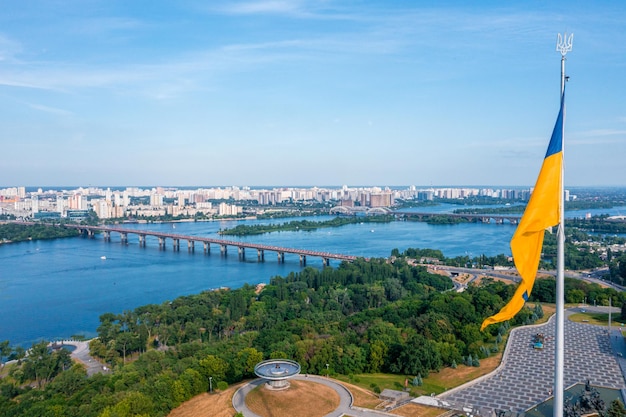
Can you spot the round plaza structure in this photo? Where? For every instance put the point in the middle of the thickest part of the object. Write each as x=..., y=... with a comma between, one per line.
x=277, y=372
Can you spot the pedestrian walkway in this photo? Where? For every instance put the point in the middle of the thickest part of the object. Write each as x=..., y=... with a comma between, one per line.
x=345, y=399
x=526, y=375
x=81, y=354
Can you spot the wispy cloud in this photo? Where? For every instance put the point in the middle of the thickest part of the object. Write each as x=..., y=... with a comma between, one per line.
x=11, y=80
x=105, y=25
x=52, y=110
x=178, y=73
x=387, y=30
x=598, y=137
x=264, y=7
x=8, y=49
x=602, y=132
x=307, y=9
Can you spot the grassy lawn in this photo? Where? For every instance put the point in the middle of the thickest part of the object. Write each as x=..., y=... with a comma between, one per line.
x=600, y=319
x=309, y=399
x=436, y=382
x=4, y=371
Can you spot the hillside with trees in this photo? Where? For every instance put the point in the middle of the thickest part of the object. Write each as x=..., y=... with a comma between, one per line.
x=362, y=317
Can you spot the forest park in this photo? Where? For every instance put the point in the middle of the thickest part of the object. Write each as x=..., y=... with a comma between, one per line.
x=367, y=316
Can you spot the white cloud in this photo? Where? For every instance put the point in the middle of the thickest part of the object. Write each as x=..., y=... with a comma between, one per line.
x=598, y=137
x=271, y=6
x=8, y=49
x=307, y=9
x=51, y=110
x=105, y=25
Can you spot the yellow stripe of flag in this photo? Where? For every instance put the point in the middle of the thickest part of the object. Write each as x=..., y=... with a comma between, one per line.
x=542, y=212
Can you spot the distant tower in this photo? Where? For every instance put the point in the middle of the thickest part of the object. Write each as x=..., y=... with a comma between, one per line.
x=35, y=204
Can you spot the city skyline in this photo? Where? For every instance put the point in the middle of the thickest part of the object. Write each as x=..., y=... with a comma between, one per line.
x=301, y=92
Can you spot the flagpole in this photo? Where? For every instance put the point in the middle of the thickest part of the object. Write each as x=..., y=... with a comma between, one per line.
x=564, y=45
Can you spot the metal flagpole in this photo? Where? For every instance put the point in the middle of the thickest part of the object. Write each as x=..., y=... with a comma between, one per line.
x=563, y=45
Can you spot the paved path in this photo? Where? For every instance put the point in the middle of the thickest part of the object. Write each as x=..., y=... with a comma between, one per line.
x=81, y=354
x=345, y=399
x=526, y=375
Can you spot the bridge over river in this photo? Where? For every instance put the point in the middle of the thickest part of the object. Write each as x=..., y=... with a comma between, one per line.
x=90, y=231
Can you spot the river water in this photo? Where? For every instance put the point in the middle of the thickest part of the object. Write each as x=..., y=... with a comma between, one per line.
x=58, y=288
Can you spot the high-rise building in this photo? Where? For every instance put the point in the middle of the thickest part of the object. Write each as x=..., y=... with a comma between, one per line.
x=156, y=199
x=35, y=204
x=380, y=199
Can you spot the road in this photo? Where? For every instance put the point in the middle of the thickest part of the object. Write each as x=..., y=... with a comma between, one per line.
x=594, y=277
x=81, y=354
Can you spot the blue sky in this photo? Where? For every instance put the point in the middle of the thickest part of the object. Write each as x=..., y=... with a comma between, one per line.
x=323, y=92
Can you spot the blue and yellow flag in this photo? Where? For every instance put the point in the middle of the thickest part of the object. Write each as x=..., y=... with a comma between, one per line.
x=542, y=211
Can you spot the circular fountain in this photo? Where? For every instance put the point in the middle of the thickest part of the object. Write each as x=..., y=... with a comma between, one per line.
x=277, y=372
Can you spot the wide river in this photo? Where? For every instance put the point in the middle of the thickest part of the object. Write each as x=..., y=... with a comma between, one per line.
x=58, y=288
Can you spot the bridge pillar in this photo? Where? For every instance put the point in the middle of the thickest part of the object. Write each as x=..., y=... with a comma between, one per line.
x=224, y=249
x=124, y=237
x=242, y=252
x=326, y=261
x=176, y=244
x=499, y=221
x=107, y=236
x=281, y=257
x=303, y=260
x=207, y=247
x=260, y=254
x=191, y=246
x=161, y=242
x=90, y=233
x=142, y=241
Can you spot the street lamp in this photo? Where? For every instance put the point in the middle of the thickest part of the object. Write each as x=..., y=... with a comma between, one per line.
x=210, y=384
x=326, y=370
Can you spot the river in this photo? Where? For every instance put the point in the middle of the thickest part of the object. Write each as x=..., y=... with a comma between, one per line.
x=58, y=288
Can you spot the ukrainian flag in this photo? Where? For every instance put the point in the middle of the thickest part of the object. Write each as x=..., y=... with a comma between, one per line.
x=543, y=211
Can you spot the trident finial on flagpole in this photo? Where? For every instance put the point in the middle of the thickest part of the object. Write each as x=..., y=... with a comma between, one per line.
x=564, y=43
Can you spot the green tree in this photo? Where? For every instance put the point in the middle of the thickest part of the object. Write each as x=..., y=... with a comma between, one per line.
x=574, y=296
x=69, y=382
x=134, y=404
x=616, y=409
x=246, y=360
x=215, y=367
x=5, y=350
x=416, y=356
x=376, y=358
x=41, y=364
x=126, y=342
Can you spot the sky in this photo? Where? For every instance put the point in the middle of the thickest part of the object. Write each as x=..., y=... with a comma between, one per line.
x=311, y=93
